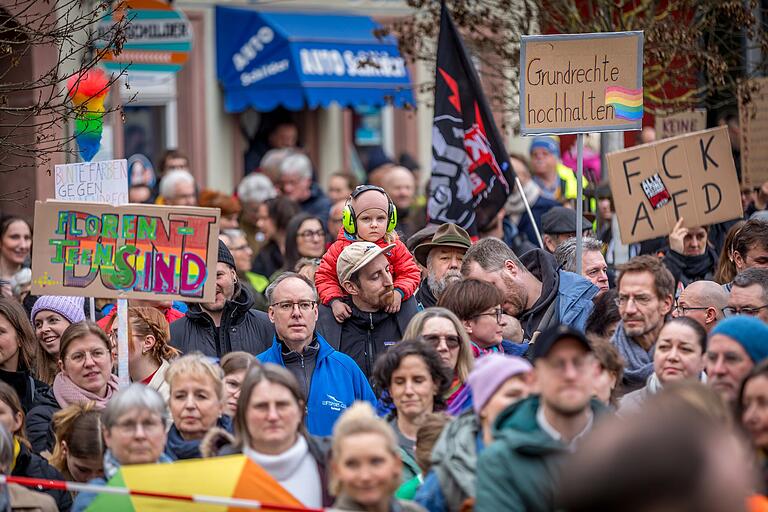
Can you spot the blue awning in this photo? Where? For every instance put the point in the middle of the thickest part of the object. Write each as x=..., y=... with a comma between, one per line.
x=268, y=59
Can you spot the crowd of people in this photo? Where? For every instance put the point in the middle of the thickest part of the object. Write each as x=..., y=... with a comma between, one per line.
x=369, y=361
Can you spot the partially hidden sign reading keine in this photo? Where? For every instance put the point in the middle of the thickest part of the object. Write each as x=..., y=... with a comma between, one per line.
x=141, y=252
x=576, y=83
x=690, y=176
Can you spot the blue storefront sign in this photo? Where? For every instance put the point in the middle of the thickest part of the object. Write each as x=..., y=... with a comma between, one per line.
x=265, y=60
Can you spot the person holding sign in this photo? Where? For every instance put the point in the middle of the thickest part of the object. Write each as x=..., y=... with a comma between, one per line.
x=690, y=257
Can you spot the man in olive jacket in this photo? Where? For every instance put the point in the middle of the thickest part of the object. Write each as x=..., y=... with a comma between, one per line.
x=519, y=471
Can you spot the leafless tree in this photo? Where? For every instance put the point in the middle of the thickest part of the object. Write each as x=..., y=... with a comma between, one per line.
x=693, y=52
x=35, y=112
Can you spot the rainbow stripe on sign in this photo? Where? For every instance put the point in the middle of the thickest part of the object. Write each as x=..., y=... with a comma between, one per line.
x=628, y=103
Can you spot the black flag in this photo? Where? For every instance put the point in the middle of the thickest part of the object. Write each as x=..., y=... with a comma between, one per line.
x=471, y=173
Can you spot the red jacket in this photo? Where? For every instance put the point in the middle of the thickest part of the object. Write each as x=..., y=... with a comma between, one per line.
x=405, y=272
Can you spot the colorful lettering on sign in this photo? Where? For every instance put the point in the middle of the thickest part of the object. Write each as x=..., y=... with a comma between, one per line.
x=136, y=252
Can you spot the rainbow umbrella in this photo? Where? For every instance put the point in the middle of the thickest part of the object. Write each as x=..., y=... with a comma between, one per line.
x=234, y=476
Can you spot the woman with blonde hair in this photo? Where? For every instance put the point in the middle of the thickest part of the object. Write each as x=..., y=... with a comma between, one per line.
x=366, y=468
x=443, y=330
x=149, y=352
x=79, y=450
x=196, y=403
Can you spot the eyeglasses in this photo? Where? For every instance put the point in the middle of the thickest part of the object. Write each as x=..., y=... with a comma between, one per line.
x=640, y=300
x=98, y=354
x=287, y=305
x=312, y=234
x=683, y=310
x=498, y=313
x=731, y=311
x=240, y=248
x=131, y=427
x=451, y=340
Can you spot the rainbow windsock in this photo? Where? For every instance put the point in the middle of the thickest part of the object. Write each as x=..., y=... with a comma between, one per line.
x=88, y=90
x=628, y=103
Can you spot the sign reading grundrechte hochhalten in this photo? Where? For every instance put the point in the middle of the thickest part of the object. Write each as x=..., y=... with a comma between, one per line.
x=577, y=83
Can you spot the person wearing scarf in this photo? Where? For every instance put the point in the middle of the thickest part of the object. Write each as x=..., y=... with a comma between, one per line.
x=85, y=363
x=133, y=407
x=196, y=403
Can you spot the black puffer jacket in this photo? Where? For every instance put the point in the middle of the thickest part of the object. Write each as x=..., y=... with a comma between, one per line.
x=242, y=328
x=32, y=465
x=26, y=386
x=40, y=422
x=365, y=336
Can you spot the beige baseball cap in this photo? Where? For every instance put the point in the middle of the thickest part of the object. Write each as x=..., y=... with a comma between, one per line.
x=357, y=255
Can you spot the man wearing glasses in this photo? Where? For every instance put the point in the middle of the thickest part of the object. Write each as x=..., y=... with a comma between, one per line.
x=703, y=301
x=646, y=288
x=749, y=294
x=331, y=381
x=365, y=274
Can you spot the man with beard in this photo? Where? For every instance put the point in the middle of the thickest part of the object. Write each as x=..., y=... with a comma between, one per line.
x=364, y=273
x=534, y=290
x=442, y=258
x=520, y=469
x=228, y=323
x=645, y=297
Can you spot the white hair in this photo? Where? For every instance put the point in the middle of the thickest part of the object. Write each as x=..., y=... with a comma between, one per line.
x=297, y=164
x=171, y=179
x=270, y=162
x=256, y=188
x=136, y=397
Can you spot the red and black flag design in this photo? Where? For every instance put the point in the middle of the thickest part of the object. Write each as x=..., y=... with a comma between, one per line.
x=471, y=173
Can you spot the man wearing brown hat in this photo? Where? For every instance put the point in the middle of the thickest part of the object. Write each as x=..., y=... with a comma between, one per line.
x=442, y=257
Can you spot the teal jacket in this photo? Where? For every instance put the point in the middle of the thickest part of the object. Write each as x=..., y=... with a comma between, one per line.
x=519, y=471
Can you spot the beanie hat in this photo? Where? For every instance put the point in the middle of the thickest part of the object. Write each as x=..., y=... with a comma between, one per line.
x=371, y=200
x=490, y=372
x=747, y=331
x=71, y=308
x=225, y=256
x=551, y=144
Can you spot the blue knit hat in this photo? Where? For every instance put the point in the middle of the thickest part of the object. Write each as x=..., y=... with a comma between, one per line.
x=70, y=308
x=551, y=144
x=747, y=331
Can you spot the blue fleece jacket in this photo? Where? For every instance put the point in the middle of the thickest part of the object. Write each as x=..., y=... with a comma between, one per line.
x=336, y=383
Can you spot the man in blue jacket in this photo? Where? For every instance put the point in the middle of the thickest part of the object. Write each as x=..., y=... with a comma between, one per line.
x=331, y=381
x=535, y=292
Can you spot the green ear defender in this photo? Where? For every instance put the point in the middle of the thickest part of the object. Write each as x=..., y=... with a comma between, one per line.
x=349, y=217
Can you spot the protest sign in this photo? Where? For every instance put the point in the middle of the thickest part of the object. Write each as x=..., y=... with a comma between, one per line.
x=98, y=182
x=577, y=83
x=753, y=118
x=133, y=251
x=680, y=123
x=690, y=176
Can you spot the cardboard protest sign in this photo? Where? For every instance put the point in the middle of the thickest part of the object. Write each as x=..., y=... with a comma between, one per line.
x=753, y=119
x=98, y=182
x=132, y=251
x=680, y=123
x=690, y=176
x=577, y=83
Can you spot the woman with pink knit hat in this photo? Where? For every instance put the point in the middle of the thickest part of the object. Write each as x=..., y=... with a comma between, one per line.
x=497, y=381
x=51, y=315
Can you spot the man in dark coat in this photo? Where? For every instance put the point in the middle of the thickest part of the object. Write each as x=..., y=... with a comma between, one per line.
x=442, y=258
x=227, y=324
x=364, y=273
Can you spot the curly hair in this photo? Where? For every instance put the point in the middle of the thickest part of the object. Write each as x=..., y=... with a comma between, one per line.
x=390, y=361
x=148, y=321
